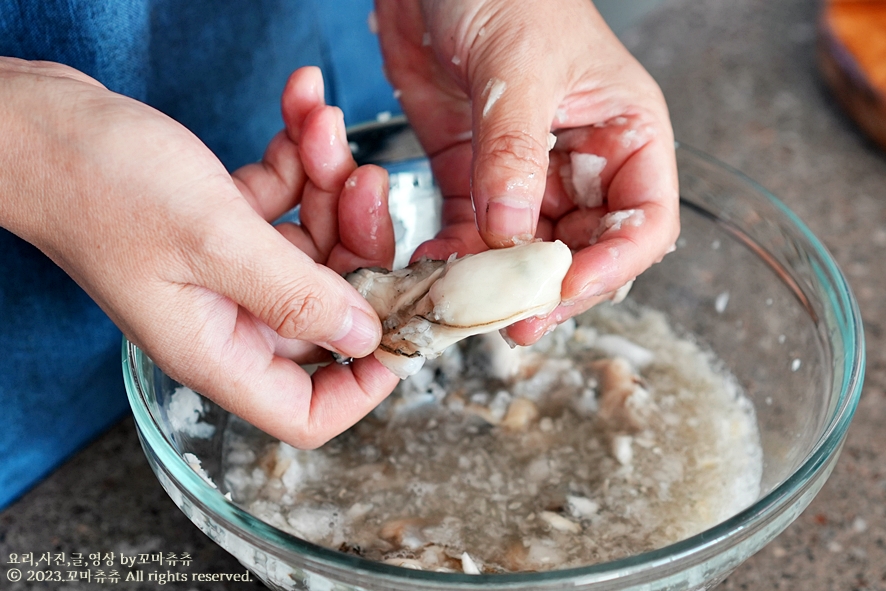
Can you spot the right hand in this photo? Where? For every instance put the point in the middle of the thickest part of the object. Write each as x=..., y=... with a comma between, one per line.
x=483, y=83
x=181, y=255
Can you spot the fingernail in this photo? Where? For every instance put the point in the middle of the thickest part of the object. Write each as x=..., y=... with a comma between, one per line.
x=359, y=334
x=589, y=290
x=509, y=217
x=340, y=134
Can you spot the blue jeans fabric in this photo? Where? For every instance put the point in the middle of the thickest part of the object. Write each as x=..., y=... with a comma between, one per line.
x=218, y=68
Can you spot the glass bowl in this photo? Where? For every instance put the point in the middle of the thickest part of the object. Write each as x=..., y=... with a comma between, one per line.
x=748, y=279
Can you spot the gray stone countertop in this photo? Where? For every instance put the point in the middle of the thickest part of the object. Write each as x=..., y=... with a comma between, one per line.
x=741, y=83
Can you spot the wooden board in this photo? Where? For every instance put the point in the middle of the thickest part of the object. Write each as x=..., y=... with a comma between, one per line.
x=852, y=58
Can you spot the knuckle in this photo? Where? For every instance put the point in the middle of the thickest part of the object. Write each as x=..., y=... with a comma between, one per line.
x=297, y=313
x=514, y=149
x=57, y=70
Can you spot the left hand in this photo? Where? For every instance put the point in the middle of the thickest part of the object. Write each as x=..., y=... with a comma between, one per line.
x=181, y=255
x=483, y=83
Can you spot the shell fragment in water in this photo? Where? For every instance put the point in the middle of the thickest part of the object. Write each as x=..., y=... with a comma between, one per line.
x=430, y=304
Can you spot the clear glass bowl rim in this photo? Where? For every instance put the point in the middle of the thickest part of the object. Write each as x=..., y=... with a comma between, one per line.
x=676, y=556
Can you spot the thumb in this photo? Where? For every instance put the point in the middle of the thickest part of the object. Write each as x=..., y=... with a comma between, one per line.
x=514, y=98
x=254, y=265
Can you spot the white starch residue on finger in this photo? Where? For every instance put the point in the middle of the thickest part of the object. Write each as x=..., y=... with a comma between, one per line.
x=634, y=138
x=584, y=176
x=628, y=138
x=552, y=141
x=615, y=121
x=493, y=91
x=615, y=220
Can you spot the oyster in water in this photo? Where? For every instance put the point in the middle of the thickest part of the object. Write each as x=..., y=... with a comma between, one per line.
x=430, y=304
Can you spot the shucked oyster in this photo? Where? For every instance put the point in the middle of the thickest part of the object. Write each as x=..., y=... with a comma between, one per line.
x=430, y=304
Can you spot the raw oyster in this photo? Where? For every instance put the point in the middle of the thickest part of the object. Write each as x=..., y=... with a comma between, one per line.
x=431, y=304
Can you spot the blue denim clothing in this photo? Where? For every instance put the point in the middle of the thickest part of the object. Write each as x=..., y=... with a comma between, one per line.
x=218, y=68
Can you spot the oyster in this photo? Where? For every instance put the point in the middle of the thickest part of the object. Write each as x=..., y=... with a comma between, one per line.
x=432, y=304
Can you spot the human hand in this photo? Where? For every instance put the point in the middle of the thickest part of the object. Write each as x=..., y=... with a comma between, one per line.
x=181, y=255
x=483, y=83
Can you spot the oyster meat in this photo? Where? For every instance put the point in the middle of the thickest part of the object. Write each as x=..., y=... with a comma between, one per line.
x=432, y=304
